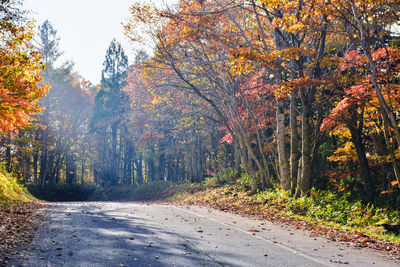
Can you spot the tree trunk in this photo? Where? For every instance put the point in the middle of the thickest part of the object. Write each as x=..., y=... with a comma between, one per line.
x=294, y=144
x=8, y=155
x=280, y=140
x=139, y=168
x=83, y=170
x=176, y=174
x=363, y=162
x=70, y=168
x=303, y=185
x=114, y=161
x=35, y=167
x=161, y=167
x=43, y=160
x=151, y=171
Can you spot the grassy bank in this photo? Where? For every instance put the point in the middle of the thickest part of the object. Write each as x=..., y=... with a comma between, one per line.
x=11, y=191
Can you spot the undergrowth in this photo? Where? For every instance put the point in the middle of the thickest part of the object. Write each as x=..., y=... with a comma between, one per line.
x=11, y=191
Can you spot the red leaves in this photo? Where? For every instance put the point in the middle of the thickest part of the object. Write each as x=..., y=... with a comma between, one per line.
x=359, y=234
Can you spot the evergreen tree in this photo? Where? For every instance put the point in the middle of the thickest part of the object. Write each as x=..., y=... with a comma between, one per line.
x=111, y=105
x=49, y=44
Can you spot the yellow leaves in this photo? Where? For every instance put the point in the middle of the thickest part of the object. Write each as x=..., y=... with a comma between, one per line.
x=344, y=153
x=156, y=100
x=19, y=78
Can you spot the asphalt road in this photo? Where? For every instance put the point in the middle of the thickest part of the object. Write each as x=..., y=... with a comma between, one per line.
x=139, y=234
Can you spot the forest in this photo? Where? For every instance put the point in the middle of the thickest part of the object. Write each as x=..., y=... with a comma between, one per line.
x=301, y=95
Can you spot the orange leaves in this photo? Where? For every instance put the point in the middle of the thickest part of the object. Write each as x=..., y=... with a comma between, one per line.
x=20, y=88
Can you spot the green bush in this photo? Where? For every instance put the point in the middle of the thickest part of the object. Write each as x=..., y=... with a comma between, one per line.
x=227, y=176
x=245, y=181
x=210, y=182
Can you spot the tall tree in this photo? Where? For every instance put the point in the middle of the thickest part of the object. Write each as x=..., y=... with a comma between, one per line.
x=111, y=103
x=20, y=67
x=49, y=44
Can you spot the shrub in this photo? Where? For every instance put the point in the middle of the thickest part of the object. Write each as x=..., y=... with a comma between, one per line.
x=227, y=176
x=245, y=181
x=210, y=182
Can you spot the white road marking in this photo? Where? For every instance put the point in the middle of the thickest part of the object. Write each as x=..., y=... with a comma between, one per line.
x=299, y=253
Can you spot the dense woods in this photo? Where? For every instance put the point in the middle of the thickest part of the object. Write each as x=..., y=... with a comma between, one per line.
x=295, y=94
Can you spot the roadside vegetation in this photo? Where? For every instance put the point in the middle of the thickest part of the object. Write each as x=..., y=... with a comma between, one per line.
x=11, y=191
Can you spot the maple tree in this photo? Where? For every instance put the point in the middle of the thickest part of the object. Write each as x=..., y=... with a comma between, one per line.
x=247, y=59
x=20, y=87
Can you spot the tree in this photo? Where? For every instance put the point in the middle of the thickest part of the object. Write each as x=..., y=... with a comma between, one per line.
x=49, y=44
x=20, y=77
x=111, y=105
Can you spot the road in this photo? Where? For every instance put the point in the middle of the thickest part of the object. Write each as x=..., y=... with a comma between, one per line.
x=140, y=234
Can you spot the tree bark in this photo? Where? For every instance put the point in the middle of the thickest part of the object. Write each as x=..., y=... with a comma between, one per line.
x=161, y=167
x=43, y=160
x=294, y=144
x=303, y=185
x=35, y=167
x=363, y=162
x=280, y=140
x=114, y=161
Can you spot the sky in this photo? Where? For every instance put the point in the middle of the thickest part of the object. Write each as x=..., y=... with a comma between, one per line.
x=86, y=28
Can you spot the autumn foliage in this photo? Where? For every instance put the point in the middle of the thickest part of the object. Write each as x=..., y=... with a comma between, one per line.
x=296, y=89
x=20, y=77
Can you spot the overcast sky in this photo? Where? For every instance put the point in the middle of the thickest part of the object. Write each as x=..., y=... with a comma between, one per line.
x=86, y=28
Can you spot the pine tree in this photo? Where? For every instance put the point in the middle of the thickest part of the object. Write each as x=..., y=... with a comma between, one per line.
x=111, y=105
x=49, y=44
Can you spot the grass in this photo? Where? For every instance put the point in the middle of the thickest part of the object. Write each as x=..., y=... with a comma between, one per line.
x=11, y=191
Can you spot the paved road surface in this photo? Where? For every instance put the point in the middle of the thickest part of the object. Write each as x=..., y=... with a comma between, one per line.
x=138, y=234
